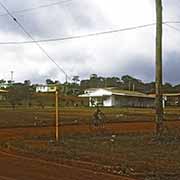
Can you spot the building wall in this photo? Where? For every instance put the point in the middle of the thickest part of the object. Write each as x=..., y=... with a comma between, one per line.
x=108, y=101
x=121, y=101
x=2, y=97
x=125, y=101
x=41, y=89
x=172, y=101
x=94, y=101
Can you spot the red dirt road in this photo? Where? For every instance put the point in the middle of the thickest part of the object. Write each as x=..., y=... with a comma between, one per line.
x=13, y=167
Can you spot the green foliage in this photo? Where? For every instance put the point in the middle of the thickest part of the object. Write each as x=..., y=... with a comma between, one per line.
x=2, y=81
x=75, y=79
x=75, y=88
x=49, y=81
x=19, y=93
x=126, y=82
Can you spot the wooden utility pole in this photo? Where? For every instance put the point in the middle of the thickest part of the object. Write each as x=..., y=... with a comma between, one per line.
x=159, y=103
x=57, y=115
x=133, y=87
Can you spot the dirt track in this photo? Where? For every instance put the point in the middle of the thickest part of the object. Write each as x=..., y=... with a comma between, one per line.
x=13, y=167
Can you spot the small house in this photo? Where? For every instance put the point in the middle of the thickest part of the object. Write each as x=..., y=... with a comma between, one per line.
x=172, y=99
x=112, y=97
x=46, y=88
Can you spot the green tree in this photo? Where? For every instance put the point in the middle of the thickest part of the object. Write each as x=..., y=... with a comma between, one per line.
x=112, y=82
x=19, y=94
x=167, y=87
x=49, y=81
x=75, y=79
x=27, y=82
x=2, y=81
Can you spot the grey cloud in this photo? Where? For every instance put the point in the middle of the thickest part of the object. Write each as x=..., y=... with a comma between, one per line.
x=171, y=67
x=112, y=55
x=64, y=19
x=141, y=68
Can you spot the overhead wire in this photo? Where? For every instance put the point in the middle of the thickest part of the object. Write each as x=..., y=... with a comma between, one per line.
x=80, y=36
x=30, y=36
x=35, y=8
x=86, y=35
x=172, y=27
x=171, y=22
x=69, y=37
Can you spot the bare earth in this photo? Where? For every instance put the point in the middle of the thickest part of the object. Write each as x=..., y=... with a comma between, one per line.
x=148, y=127
x=13, y=167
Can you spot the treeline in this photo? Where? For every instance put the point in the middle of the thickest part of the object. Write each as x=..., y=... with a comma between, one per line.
x=126, y=83
x=77, y=86
x=25, y=93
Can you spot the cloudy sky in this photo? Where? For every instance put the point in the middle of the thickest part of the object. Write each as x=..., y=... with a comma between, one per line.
x=129, y=52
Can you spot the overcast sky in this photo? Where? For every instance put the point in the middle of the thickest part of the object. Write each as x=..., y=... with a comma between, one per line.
x=116, y=54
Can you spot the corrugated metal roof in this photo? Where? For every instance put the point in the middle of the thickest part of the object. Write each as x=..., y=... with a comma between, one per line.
x=117, y=92
x=167, y=94
x=171, y=94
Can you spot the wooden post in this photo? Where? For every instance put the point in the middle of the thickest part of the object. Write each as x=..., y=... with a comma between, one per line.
x=57, y=117
x=159, y=104
x=133, y=87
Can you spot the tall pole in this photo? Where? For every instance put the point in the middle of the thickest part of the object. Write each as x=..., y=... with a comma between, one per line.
x=57, y=116
x=66, y=85
x=66, y=78
x=12, y=72
x=158, y=101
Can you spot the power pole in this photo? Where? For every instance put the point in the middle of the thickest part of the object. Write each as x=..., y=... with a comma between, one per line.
x=66, y=84
x=158, y=101
x=12, y=78
x=66, y=78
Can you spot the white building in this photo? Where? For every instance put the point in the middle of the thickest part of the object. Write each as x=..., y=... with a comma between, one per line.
x=46, y=88
x=109, y=97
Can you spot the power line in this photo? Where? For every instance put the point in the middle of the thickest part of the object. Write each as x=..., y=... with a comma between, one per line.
x=87, y=35
x=35, y=8
x=171, y=22
x=172, y=27
x=30, y=36
x=79, y=36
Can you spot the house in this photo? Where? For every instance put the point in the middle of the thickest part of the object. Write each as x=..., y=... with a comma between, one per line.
x=46, y=88
x=172, y=99
x=5, y=85
x=112, y=97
